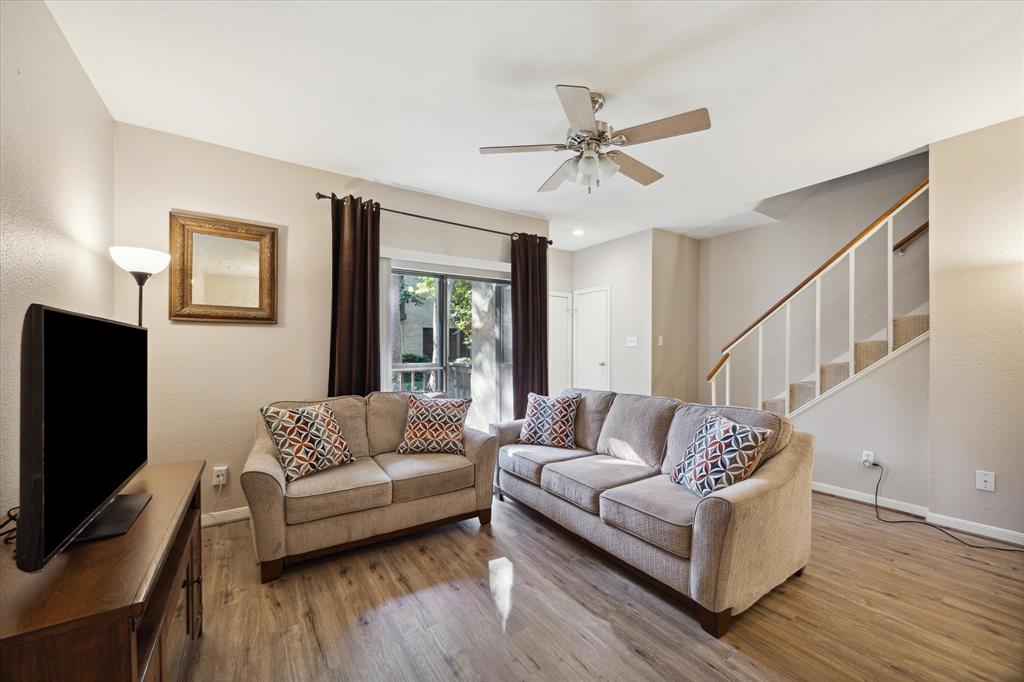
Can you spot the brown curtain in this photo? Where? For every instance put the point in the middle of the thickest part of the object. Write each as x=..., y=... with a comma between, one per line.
x=355, y=297
x=529, y=319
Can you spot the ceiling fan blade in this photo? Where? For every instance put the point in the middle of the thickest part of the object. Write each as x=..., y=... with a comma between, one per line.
x=556, y=179
x=680, y=124
x=578, y=107
x=635, y=170
x=524, y=148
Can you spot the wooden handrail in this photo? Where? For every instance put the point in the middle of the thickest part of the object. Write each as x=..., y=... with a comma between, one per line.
x=910, y=237
x=718, y=366
x=821, y=268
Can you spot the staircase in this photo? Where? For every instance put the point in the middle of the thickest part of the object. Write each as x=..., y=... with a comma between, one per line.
x=861, y=354
x=833, y=374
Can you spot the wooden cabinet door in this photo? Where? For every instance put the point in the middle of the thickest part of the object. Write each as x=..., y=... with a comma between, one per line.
x=177, y=631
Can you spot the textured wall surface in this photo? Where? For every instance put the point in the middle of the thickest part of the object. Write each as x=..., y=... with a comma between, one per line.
x=208, y=380
x=976, y=418
x=56, y=199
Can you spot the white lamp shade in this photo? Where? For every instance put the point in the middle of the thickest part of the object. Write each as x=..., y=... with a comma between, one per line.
x=135, y=259
x=588, y=163
x=607, y=167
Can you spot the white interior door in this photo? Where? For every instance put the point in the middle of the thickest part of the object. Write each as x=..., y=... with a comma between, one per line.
x=559, y=341
x=590, y=361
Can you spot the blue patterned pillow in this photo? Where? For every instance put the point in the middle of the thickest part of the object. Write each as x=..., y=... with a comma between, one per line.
x=550, y=421
x=721, y=453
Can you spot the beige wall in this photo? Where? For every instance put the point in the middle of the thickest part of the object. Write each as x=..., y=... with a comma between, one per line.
x=56, y=197
x=207, y=380
x=624, y=265
x=674, y=264
x=885, y=411
x=976, y=397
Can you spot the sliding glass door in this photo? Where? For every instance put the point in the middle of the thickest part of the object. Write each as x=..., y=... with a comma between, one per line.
x=453, y=335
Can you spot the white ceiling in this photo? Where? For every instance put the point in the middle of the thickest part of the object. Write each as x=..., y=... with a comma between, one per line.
x=404, y=93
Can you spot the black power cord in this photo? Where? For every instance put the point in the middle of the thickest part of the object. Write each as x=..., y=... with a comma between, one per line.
x=881, y=472
x=11, y=533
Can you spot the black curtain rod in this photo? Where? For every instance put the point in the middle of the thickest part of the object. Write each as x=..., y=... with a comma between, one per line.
x=514, y=235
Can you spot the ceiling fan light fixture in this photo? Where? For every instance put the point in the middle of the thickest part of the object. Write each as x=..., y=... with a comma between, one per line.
x=588, y=163
x=572, y=170
x=606, y=167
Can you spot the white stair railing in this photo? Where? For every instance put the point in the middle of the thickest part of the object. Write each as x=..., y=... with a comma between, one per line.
x=845, y=255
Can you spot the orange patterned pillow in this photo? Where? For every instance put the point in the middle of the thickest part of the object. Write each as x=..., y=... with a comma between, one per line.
x=435, y=425
x=308, y=439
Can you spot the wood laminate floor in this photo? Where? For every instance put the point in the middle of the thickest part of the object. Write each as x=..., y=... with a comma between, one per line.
x=520, y=600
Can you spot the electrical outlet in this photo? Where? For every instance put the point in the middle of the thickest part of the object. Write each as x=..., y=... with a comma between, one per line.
x=631, y=342
x=220, y=475
x=867, y=458
x=985, y=480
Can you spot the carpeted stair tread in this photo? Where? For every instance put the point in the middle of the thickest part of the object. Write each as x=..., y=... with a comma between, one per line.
x=867, y=353
x=907, y=328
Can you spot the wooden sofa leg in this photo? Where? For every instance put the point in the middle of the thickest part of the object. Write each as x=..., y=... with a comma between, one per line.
x=485, y=516
x=714, y=623
x=799, y=573
x=271, y=570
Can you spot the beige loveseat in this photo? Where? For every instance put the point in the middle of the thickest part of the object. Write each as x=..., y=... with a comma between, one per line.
x=381, y=495
x=720, y=553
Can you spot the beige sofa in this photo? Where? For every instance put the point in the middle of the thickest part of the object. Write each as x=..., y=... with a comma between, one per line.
x=381, y=495
x=719, y=554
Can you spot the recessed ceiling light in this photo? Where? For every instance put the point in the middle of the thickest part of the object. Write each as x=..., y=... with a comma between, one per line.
x=577, y=233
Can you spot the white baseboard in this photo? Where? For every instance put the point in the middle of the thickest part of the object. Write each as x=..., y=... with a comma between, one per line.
x=226, y=516
x=869, y=498
x=953, y=523
x=994, y=532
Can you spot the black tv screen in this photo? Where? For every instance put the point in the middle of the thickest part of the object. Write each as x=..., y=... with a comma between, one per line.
x=83, y=424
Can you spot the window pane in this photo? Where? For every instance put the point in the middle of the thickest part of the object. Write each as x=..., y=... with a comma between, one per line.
x=415, y=313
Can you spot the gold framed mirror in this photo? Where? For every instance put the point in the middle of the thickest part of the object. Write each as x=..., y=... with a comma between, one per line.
x=222, y=270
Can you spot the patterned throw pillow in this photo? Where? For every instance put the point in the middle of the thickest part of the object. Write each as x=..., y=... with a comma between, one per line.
x=308, y=439
x=550, y=421
x=722, y=453
x=435, y=425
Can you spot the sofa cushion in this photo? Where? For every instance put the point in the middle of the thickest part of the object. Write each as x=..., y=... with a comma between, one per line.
x=590, y=415
x=308, y=439
x=582, y=480
x=654, y=509
x=386, y=415
x=636, y=428
x=527, y=461
x=550, y=420
x=689, y=417
x=360, y=485
x=416, y=476
x=350, y=411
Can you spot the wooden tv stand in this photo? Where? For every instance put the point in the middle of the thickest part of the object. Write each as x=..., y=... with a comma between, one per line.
x=124, y=608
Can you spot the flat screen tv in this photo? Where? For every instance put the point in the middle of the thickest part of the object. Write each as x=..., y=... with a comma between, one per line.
x=83, y=430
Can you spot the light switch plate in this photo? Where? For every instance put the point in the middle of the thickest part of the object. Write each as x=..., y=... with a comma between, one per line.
x=985, y=480
x=631, y=342
x=661, y=340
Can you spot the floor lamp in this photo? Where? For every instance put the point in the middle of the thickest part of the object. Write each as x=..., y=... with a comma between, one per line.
x=141, y=264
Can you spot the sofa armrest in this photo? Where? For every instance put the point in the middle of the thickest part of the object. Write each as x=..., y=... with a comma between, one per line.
x=507, y=432
x=482, y=450
x=263, y=482
x=752, y=536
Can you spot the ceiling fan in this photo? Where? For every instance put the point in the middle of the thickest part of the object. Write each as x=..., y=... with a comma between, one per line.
x=592, y=140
